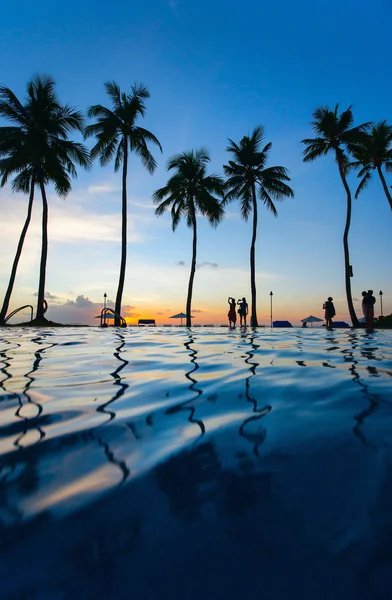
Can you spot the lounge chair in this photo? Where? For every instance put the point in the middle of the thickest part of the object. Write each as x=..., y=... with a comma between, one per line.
x=146, y=322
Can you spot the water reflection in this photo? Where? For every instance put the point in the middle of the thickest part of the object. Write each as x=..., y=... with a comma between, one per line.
x=372, y=399
x=121, y=387
x=254, y=437
x=6, y=360
x=27, y=409
x=119, y=384
x=193, y=382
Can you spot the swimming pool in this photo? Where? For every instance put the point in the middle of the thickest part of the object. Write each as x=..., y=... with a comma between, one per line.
x=201, y=463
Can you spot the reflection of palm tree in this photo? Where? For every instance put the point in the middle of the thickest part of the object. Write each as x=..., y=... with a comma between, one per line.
x=6, y=360
x=183, y=478
x=122, y=386
x=371, y=398
x=258, y=437
x=35, y=422
x=188, y=375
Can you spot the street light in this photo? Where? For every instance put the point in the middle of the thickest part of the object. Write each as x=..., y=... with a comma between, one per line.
x=381, y=294
x=104, y=312
x=271, y=294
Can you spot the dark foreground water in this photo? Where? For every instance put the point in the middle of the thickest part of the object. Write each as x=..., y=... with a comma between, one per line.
x=208, y=464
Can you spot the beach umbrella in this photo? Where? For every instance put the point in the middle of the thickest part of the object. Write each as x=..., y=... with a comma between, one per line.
x=180, y=315
x=311, y=319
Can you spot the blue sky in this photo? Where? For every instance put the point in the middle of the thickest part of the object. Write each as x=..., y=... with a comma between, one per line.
x=214, y=71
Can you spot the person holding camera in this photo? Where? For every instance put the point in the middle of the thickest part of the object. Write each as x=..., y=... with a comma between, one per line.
x=242, y=311
x=232, y=315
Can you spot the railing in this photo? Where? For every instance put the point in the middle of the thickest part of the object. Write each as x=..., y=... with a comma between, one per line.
x=110, y=311
x=13, y=313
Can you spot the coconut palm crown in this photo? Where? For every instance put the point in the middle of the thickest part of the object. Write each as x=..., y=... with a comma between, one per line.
x=372, y=153
x=335, y=133
x=117, y=135
x=189, y=192
x=36, y=151
x=249, y=179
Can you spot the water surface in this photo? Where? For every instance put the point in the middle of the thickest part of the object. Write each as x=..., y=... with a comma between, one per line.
x=205, y=463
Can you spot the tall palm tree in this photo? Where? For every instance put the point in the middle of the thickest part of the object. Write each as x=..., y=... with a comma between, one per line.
x=36, y=151
x=335, y=134
x=117, y=134
x=249, y=178
x=373, y=151
x=188, y=192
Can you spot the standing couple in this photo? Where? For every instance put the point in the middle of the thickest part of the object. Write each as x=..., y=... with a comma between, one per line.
x=242, y=311
x=368, y=302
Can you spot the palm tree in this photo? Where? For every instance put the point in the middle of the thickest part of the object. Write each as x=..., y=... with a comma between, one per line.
x=36, y=151
x=334, y=133
x=189, y=192
x=117, y=134
x=248, y=178
x=373, y=151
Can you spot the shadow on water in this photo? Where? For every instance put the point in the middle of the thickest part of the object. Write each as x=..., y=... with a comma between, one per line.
x=255, y=437
x=193, y=382
x=121, y=387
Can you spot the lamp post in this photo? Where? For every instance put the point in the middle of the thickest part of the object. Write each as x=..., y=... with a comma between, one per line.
x=104, y=306
x=271, y=294
x=381, y=294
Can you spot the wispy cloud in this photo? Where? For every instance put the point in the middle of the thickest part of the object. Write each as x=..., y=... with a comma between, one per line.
x=213, y=265
x=101, y=189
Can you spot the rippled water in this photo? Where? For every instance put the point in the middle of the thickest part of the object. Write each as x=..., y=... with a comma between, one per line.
x=157, y=463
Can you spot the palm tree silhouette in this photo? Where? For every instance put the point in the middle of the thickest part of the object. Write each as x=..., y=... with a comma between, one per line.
x=246, y=174
x=117, y=134
x=334, y=134
x=189, y=192
x=36, y=151
x=373, y=151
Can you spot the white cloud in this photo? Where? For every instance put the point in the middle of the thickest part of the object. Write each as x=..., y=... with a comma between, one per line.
x=101, y=189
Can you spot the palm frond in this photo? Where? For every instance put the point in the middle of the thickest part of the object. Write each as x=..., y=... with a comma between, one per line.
x=114, y=93
x=364, y=183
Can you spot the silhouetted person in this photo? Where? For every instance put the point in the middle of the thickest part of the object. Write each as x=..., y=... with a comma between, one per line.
x=363, y=304
x=232, y=315
x=329, y=311
x=242, y=311
x=304, y=324
x=368, y=303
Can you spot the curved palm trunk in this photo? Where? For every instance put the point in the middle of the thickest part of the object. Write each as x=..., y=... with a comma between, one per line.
x=253, y=314
x=8, y=293
x=384, y=185
x=353, y=316
x=44, y=254
x=192, y=274
x=121, y=280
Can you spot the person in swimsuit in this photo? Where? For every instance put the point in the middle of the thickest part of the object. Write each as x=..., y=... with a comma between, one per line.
x=329, y=311
x=243, y=310
x=232, y=315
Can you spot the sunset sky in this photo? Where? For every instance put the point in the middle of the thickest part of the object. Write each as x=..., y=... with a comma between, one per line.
x=214, y=71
